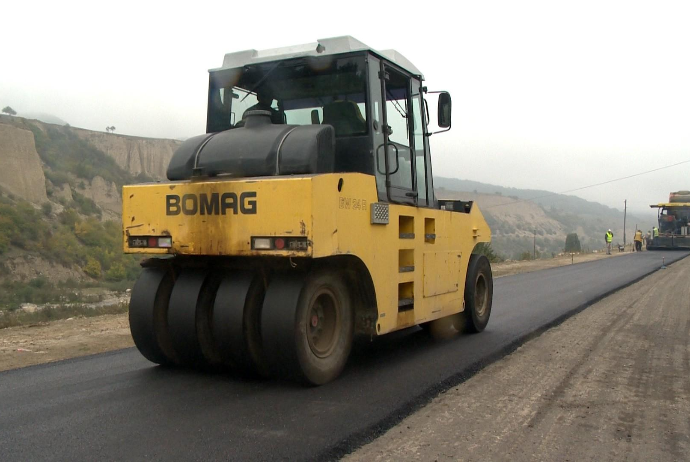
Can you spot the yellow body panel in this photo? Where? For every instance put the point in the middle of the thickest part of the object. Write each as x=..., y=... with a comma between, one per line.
x=421, y=255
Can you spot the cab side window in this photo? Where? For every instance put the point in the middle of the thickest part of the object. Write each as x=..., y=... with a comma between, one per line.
x=398, y=120
x=418, y=136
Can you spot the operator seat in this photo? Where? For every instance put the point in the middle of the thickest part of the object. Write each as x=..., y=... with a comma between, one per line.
x=345, y=117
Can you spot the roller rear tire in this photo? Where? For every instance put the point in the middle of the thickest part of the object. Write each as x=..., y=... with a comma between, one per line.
x=189, y=315
x=237, y=321
x=308, y=326
x=148, y=315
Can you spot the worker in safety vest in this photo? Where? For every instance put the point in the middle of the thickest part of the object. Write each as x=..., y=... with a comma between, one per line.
x=638, y=240
x=609, y=239
x=655, y=232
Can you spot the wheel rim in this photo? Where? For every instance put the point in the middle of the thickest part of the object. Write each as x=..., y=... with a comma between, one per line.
x=323, y=323
x=481, y=295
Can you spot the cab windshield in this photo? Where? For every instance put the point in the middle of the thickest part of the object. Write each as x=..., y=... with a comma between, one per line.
x=296, y=92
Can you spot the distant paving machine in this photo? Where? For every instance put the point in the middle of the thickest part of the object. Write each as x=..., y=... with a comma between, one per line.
x=304, y=216
x=674, y=223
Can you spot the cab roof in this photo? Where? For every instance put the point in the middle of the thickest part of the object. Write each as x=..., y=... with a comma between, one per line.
x=322, y=47
x=670, y=205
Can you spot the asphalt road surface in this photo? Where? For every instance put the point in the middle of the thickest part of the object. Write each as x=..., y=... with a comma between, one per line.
x=118, y=406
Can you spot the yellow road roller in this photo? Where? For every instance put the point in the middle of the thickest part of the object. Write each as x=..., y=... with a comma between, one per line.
x=304, y=216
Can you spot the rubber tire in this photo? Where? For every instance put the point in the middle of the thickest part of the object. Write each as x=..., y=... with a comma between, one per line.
x=188, y=315
x=148, y=315
x=478, y=272
x=285, y=322
x=204, y=321
x=237, y=322
x=318, y=370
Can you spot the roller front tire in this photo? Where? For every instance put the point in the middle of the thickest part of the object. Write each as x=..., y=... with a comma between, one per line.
x=479, y=289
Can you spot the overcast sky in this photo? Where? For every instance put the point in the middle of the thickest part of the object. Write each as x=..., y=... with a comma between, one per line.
x=546, y=95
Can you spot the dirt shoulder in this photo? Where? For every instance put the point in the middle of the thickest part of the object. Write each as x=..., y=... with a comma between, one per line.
x=610, y=383
x=509, y=268
x=69, y=338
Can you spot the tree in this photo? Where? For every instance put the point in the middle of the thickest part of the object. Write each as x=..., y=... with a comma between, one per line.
x=484, y=248
x=107, y=129
x=572, y=243
x=9, y=110
x=112, y=128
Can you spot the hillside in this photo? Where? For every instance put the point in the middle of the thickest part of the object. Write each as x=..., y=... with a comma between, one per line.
x=521, y=217
x=60, y=208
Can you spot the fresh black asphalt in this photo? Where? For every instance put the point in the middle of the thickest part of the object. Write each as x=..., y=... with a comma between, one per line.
x=118, y=406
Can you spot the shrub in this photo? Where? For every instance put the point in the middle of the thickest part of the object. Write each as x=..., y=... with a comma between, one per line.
x=69, y=217
x=57, y=178
x=47, y=208
x=116, y=273
x=85, y=205
x=93, y=268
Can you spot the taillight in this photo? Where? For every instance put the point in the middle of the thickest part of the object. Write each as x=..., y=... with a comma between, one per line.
x=280, y=243
x=146, y=242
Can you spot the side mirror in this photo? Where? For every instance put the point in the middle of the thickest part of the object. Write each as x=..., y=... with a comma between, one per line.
x=444, y=109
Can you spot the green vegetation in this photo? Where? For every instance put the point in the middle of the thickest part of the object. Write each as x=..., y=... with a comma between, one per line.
x=41, y=291
x=74, y=238
x=572, y=243
x=21, y=226
x=93, y=246
x=57, y=178
x=20, y=317
x=71, y=241
x=485, y=249
x=8, y=110
x=85, y=206
x=528, y=256
x=65, y=153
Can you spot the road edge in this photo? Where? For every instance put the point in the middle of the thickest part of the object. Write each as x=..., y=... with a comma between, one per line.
x=363, y=437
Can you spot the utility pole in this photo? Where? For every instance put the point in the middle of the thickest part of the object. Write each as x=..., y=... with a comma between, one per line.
x=625, y=213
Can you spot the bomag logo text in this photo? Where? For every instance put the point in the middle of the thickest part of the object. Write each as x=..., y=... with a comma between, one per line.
x=211, y=204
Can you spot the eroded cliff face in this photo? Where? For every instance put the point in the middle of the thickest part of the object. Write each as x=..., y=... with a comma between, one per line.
x=21, y=168
x=21, y=172
x=106, y=195
x=136, y=155
x=26, y=267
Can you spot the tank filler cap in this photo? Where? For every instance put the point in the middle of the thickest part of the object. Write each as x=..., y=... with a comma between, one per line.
x=257, y=117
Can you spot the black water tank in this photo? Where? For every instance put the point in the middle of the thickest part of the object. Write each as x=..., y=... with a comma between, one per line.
x=259, y=148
